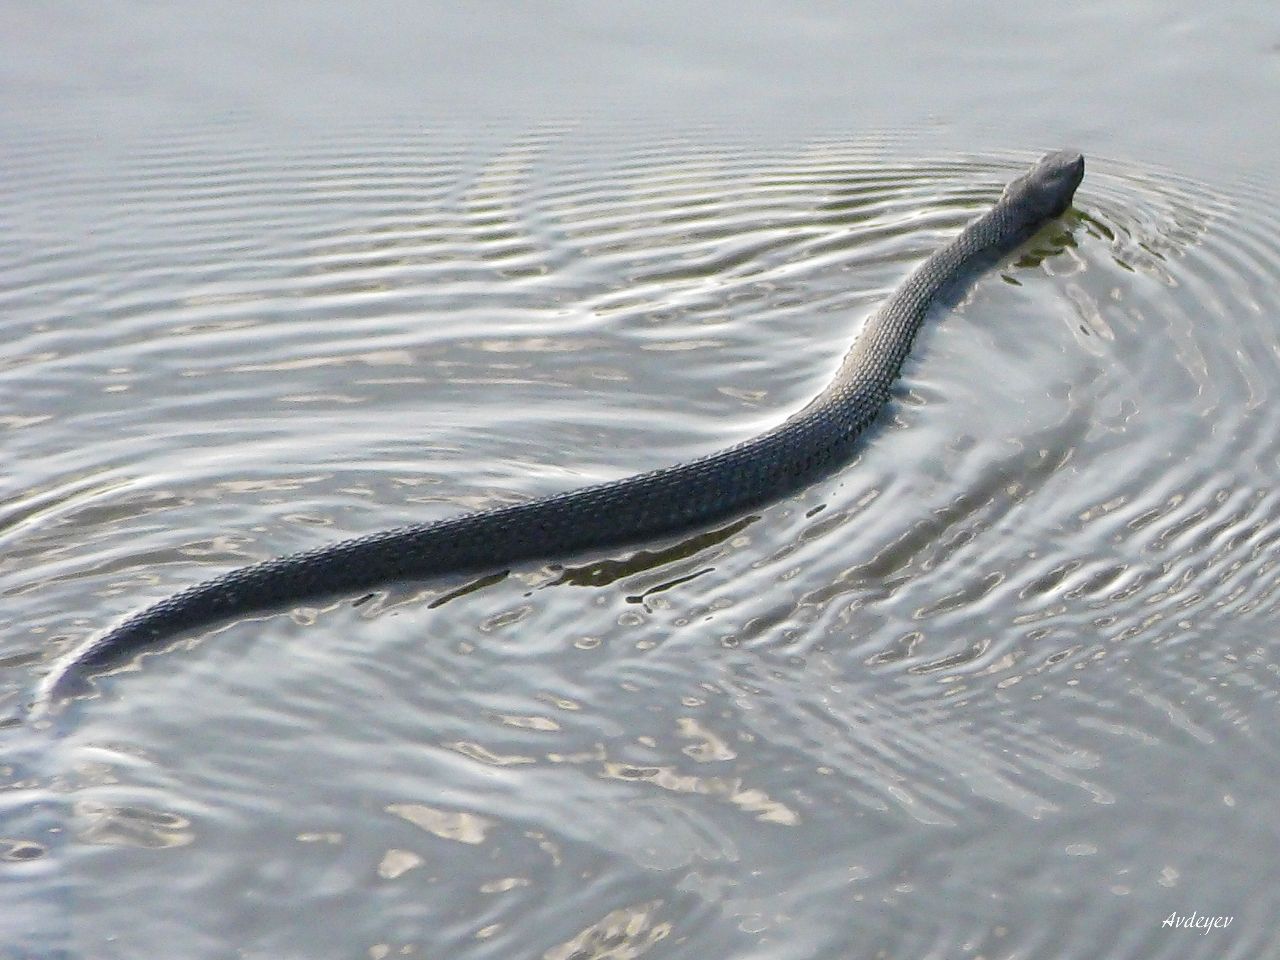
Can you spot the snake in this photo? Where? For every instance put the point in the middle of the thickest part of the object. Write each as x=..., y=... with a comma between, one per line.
x=808, y=445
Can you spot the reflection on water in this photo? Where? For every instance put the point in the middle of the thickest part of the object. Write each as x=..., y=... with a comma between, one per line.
x=1000, y=688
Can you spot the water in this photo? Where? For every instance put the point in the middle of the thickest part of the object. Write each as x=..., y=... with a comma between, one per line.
x=1004, y=687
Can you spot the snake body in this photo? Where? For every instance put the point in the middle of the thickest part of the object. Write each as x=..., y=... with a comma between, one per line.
x=807, y=445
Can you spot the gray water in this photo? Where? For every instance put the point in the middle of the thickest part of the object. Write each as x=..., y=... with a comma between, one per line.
x=1004, y=687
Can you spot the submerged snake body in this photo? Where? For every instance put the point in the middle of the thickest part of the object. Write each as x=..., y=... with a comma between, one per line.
x=806, y=446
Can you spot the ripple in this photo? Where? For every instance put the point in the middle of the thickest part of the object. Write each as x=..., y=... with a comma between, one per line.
x=1015, y=653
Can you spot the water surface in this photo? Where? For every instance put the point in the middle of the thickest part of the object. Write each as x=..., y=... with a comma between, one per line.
x=1004, y=687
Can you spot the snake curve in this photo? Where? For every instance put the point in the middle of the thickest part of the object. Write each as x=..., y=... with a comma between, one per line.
x=806, y=446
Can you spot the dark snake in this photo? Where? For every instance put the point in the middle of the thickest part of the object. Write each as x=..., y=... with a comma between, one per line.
x=806, y=446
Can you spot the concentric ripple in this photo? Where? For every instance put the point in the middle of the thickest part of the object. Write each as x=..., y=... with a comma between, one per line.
x=1002, y=687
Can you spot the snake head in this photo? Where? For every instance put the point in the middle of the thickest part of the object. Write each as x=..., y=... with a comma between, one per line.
x=1047, y=188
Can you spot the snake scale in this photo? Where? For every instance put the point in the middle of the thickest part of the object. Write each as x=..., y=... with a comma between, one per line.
x=806, y=446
